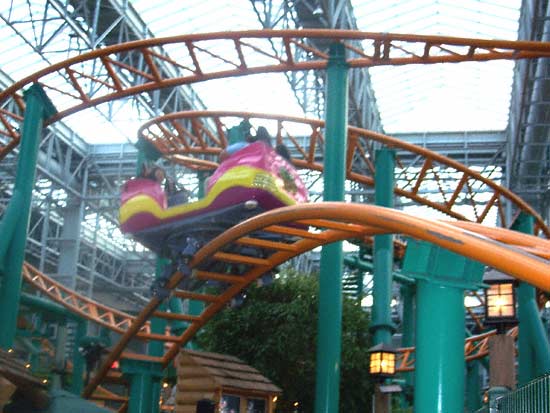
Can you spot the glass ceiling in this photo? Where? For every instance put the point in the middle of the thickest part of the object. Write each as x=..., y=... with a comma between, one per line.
x=445, y=97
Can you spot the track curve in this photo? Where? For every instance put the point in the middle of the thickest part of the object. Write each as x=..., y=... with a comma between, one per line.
x=328, y=222
x=106, y=74
x=195, y=138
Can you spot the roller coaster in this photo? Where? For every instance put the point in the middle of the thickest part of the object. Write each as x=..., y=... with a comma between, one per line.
x=264, y=241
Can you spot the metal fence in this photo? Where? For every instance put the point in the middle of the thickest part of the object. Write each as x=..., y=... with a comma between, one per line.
x=533, y=397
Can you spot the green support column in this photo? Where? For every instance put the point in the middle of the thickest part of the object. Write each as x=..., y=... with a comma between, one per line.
x=439, y=378
x=533, y=346
x=78, y=359
x=382, y=326
x=473, y=386
x=144, y=377
x=15, y=221
x=158, y=325
x=156, y=349
x=442, y=277
x=407, y=338
x=330, y=278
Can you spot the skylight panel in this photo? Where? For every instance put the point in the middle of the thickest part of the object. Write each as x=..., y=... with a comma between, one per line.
x=443, y=97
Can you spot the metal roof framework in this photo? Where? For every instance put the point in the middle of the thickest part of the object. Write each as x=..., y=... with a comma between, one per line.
x=41, y=33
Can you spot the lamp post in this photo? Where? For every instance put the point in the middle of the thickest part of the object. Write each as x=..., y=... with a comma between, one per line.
x=500, y=312
x=381, y=367
x=500, y=301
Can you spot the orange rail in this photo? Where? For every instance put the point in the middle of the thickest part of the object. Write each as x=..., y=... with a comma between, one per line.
x=476, y=347
x=96, y=77
x=184, y=138
x=328, y=222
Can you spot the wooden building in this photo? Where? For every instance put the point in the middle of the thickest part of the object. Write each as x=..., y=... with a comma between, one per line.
x=234, y=386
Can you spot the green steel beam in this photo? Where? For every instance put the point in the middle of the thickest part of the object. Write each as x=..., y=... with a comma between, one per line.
x=473, y=386
x=78, y=359
x=408, y=293
x=382, y=326
x=439, y=365
x=441, y=277
x=352, y=260
x=38, y=108
x=48, y=306
x=330, y=278
x=144, y=378
x=533, y=346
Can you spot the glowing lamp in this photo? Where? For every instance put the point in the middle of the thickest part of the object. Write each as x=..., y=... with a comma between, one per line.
x=382, y=361
x=500, y=300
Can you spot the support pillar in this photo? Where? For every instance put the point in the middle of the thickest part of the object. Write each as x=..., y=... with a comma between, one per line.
x=408, y=293
x=144, y=377
x=78, y=359
x=440, y=365
x=473, y=386
x=382, y=326
x=330, y=278
x=533, y=345
x=442, y=277
x=15, y=221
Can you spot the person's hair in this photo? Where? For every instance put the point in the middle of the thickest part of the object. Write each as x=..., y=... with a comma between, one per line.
x=282, y=150
x=263, y=135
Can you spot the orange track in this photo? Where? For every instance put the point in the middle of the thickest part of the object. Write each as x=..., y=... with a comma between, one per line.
x=201, y=57
x=331, y=222
x=197, y=146
x=72, y=79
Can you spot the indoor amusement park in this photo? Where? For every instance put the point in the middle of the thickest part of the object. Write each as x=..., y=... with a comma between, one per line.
x=275, y=206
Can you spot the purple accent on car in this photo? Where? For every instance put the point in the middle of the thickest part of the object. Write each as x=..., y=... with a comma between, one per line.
x=231, y=196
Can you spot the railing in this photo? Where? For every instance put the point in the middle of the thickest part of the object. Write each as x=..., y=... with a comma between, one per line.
x=533, y=397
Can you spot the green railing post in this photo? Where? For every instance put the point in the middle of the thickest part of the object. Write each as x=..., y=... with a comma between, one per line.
x=533, y=346
x=442, y=277
x=78, y=359
x=330, y=279
x=144, y=377
x=38, y=108
x=382, y=326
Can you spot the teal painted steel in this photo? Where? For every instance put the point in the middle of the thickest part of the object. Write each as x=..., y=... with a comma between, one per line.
x=47, y=306
x=144, y=380
x=382, y=326
x=77, y=383
x=354, y=261
x=440, y=324
x=330, y=279
x=158, y=325
x=408, y=293
x=439, y=365
x=533, y=345
x=38, y=108
x=9, y=225
x=473, y=386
